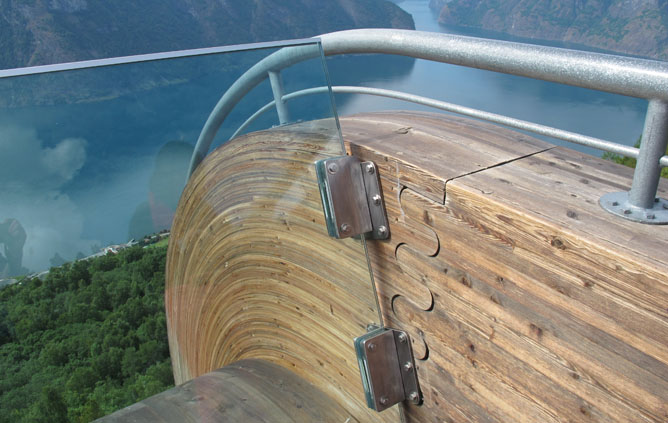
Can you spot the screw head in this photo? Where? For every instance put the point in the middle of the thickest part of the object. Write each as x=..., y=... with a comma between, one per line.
x=408, y=366
x=382, y=230
x=615, y=203
x=332, y=168
x=370, y=168
x=413, y=396
x=402, y=338
x=651, y=216
x=371, y=346
x=627, y=212
x=344, y=228
x=384, y=400
x=376, y=199
x=656, y=200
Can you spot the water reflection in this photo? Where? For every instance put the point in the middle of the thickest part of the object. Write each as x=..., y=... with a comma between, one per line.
x=12, y=238
x=603, y=115
x=164, y=189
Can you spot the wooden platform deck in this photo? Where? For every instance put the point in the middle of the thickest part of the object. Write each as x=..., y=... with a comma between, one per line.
x=525, y=301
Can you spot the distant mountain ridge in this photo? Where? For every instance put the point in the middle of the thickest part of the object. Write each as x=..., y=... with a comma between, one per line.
x=637, y=27
x=37, y=32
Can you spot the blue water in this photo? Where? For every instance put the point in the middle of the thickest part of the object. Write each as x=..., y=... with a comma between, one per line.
x=80, y=173
x=98, y=156
x=602, y=115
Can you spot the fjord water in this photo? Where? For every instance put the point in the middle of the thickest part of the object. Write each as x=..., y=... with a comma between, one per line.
x=96, y=157
x=602, y=115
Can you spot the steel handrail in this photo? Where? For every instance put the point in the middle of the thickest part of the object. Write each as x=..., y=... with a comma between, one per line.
x=627, y=76
x=536, y=128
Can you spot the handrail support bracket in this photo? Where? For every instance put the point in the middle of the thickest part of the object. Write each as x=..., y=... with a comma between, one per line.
x=641, y=204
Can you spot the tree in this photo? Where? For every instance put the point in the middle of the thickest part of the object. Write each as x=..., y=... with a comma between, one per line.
x=57, y=260
x=630, y=161
x=51, y=407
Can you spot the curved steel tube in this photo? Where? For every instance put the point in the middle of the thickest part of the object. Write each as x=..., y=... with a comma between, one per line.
x=283, y=58
x=616, y=74
x=620, y=75
x=466, y=111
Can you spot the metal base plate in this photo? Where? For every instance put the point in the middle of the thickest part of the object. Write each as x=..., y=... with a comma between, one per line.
x=617, y=203
x=387, y=368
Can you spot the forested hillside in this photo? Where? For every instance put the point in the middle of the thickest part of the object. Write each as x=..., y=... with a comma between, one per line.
x=631, y=27
x=36, y=32
x=85, y=340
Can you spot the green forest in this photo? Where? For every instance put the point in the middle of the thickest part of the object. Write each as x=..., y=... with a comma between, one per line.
x=85, y=340
x=630, y=161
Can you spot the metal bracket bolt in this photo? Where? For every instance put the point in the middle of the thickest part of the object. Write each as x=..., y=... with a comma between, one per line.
x=387, y=368
x=351, y=197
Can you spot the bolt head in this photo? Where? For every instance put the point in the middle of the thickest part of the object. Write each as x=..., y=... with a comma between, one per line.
x=376, y=199
x=384, y=400
x=402, y=338
x=370, y=168
x=382, y=230
x=371, y=346
x=344, y=228
x=414, y=396
x=332, y=168
x=408, y=366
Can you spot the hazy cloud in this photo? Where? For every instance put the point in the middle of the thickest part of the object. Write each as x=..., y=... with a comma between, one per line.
x=31, y=179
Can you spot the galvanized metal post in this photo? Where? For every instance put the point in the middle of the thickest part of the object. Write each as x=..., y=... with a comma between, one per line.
x=277, y=88
x=641, y=203
x=652, y=148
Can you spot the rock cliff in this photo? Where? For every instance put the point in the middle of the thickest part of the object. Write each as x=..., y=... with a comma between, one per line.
x=638, y=27
x=36, y=32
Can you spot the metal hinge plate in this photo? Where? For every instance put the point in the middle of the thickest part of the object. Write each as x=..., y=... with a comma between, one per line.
x=387, y=367
x=351, y=197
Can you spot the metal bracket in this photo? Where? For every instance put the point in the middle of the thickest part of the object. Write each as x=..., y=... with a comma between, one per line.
x=387, y=367
x=352, y=198
x=618, y=203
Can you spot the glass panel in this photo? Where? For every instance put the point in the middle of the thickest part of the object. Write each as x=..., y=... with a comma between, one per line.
x=94, y=160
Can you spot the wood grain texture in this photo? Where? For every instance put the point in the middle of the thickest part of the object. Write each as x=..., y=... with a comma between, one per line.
x=252, y=273
x=538, y=305
x=249, y=391
x=525, y=301
x=407, y=141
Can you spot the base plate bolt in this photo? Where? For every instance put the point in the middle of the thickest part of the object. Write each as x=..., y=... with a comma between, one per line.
x=333, y=168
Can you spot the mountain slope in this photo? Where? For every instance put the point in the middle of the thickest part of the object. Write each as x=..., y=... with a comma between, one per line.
x=36, y=32
x=638, y=27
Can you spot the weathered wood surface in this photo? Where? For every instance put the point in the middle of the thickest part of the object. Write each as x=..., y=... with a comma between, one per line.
x=425, y=166
x=252, y=273
x=526, y=301
x=248, y=391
